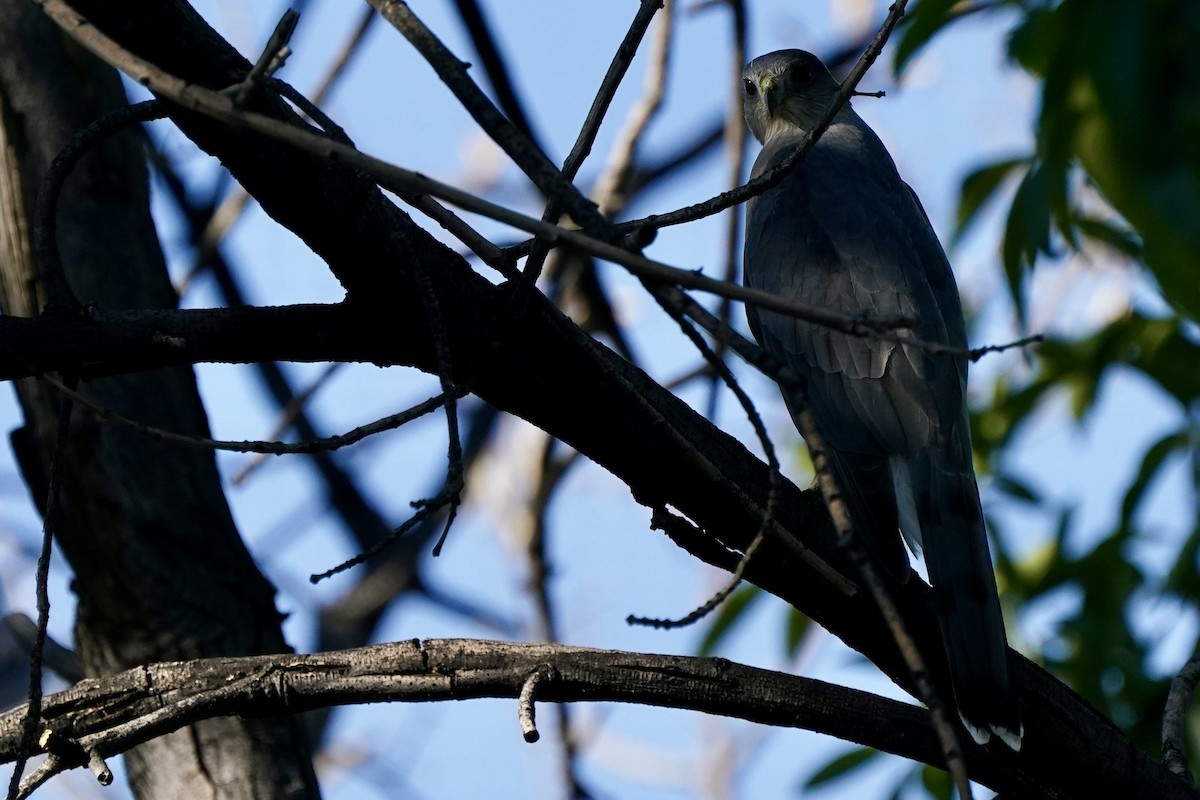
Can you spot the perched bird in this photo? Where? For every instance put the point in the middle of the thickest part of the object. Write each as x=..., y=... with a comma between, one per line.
x=844, y=232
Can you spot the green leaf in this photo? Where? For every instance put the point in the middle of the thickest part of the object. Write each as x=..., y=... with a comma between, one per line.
x=1121, y=98
x=1122, y=240
x=1028, y=229
x=979, y=187
x=1183, y=578
x=1030, y=573
x=798, y=624
x=924, y=19
x=1016, y=488
x=1152, y=463
x=847, y=762
x=937, y=782
x=1034, y=42
x=732, y=610
x=1168, y=355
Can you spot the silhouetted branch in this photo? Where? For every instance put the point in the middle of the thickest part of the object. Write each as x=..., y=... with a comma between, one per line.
x=31, y=716
x=493, y=65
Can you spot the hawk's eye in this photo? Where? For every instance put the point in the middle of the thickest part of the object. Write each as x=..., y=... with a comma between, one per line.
x=751, y=87
x=803, y=73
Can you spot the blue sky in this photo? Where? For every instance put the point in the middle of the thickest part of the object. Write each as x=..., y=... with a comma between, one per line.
x=960, y=105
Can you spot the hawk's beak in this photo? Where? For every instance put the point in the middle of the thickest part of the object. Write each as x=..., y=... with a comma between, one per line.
x=773, y=94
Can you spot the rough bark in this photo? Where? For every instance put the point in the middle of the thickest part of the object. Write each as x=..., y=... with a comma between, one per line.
x=106, y=715
x=160, y=570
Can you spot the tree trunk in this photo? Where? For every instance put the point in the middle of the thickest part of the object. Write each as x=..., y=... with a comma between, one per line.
x=161, y=572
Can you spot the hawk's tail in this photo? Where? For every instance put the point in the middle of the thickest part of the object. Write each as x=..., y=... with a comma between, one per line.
x=964, y=591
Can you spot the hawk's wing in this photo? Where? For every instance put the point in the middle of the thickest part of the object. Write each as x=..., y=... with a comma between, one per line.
x=821, y=238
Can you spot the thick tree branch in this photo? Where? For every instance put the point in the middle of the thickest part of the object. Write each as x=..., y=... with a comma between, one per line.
x=110, y=715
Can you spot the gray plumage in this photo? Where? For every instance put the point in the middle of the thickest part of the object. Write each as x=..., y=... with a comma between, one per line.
x=844, y=232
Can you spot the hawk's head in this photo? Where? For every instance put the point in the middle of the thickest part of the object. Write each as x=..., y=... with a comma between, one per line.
x=784, y=91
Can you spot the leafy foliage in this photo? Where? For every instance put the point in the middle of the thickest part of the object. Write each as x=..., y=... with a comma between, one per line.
x=840, y=766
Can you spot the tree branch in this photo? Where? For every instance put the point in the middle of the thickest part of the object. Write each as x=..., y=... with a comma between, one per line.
x=109, y=715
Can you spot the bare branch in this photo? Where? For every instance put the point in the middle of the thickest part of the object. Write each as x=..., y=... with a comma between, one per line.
x=608, y=87
x=270, y=60
x=51, y=520
x=532, y=161
x=268, y=448
x=493, y=64
x=110, y=715
x=610, y=191
x=59, y=295
x=289, y=415
x=525, y=702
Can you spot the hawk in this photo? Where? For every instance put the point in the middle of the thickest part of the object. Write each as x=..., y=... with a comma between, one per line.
x=844, y=232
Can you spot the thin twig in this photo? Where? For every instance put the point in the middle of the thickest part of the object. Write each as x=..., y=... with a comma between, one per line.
x=289, y=414
x=718, y=597
x=608, y=87
x=532, y=161
x=979, y=352
x=586, y=138
x=440, y=334
x=450, y=496
x=270, y=60
x=735, y=155
x=387, y=423
x=609, y=193
x=59, y=295
x=722, y=371
x=447, y=497
x=51, y=520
